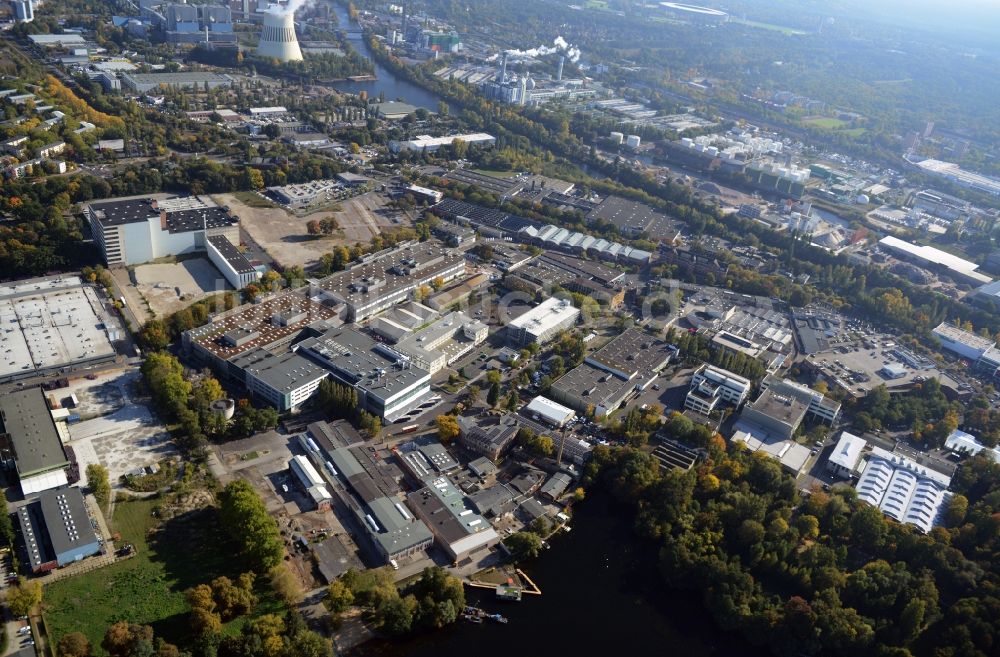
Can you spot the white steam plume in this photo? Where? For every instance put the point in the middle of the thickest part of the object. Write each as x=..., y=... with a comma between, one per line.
x=558, y=45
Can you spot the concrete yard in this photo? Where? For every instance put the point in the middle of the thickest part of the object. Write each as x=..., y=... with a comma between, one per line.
x=122, y=440
x=286, y=239
x=173, y=286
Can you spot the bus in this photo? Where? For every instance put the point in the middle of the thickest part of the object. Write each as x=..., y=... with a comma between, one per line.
x=410, y=428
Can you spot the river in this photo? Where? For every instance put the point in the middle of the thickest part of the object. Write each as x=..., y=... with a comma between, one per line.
x=601, y=595
x=393, y=87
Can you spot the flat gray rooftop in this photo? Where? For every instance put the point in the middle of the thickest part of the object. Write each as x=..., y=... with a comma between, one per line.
x=632, y=351
x=25, y=416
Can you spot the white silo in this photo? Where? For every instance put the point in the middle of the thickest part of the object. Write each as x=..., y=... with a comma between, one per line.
x=277, y=40
x=617, y=137
x=633, y=141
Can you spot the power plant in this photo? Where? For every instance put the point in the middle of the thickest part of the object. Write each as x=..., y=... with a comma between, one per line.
x=278, y=40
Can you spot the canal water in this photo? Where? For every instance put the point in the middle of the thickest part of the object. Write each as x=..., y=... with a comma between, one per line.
x=601, y=595
x=393, y=87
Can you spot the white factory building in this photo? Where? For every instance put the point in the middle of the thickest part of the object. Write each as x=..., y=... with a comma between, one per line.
x=844, y=459
x=964, y=343
x=961, y=442
x=545, y=410
x=428, y=144
x=711, y=385
x=958, y=268
x=310, y=481
x=903, y=489
x=230, y=261
x=542, y=323
x=138, y=230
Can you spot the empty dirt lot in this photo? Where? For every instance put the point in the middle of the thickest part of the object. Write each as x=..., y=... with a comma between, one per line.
x=170, y=287
x=286, y=239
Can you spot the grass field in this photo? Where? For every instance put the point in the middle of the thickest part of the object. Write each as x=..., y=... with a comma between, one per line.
x=253, y=200
x=148, y=588
x=827, y=122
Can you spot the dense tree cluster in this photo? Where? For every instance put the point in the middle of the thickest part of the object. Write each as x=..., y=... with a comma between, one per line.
x=253, y=530
x=925, y=411
x=823, y=574
x=436, y=599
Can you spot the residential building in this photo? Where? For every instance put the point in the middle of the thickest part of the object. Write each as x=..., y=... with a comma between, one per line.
x=388, y=278
x=541, y=323
x=711, y=385
x=56, y=530
x=30, y=441
x=843, y=461
x=230, y=261
x=457, y=528
x=903, y=489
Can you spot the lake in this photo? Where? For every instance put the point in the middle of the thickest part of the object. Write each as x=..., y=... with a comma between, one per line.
x=387, y=82
x=601, y=594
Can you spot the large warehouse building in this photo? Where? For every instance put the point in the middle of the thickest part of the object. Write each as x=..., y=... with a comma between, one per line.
x=963, y=271
x=30, y=443
x=56, y=530
x=388, y=279
x=134, y=231
x=903, y=489
x=542, y=323
x=457, y=528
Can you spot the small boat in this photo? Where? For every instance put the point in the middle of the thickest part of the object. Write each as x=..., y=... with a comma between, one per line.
x=497, y=618
x=472, y=618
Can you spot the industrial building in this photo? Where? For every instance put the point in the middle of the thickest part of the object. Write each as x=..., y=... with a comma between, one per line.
x=400, y=321
x=388, y=279
x=271, y=325
x=634, y=219
x=964, y=343
x=772, y=416
x=138, y=230
x=957, y=174
x=694, y=13
x=608, y=377
x=488, y=434
x=284, y=380
x=387, y=382
x=392, y=529
x=277, y=39
x=513, y=89
x=186, y=23
x=963, y=271
x=555, y=486
x=443, y=342
x=792, y=456
x=457, y=528
x=142, y=83
x=428, y=144
x=30, y=442
x=961, y=442
x=843, y=461
x=425, y=458
x=818, y=405
x=711, y=385
x=311, y=482
x=230, y=261
x=51, y=323
x=545, y=410
x=903, y=489
x=542, y=323
x=56, y=530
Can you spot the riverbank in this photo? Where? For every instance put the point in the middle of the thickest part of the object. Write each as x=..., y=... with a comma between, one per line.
x=602, y=593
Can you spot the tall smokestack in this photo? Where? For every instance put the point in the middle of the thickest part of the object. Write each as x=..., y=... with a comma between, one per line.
x=562, y=61
x=503, y=69
x=278, y=38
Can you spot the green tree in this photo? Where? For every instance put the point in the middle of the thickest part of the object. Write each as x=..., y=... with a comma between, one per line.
x=154, y=335
x=245, y=518
x=24, y=597
x=339, y=597
x=523, y=545
x=97, y=481
x=447, y=427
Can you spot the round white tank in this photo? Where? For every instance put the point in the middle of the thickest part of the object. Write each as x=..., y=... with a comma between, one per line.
x=278, y=39
x=617, y=137
x=633, y=141
x=224, y=407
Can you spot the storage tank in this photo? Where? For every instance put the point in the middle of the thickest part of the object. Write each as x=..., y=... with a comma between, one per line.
x=278, y=39
x=617, y=137
x=224, y=407
x=633, y=141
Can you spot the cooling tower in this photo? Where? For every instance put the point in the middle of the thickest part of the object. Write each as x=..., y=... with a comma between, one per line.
x=278, y=38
